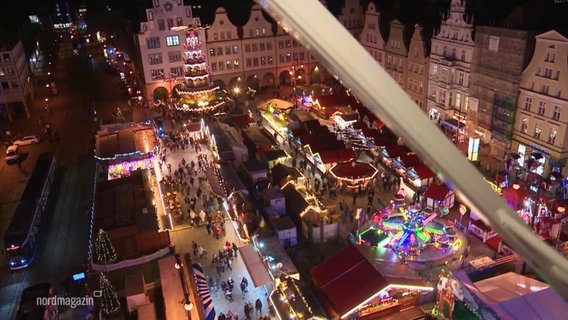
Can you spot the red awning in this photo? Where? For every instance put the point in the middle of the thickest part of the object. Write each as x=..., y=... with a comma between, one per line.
x=395, y=151
x=409, y=160
x=348, y=279
x=423, y=172
x=335, y=156
x=436, y=192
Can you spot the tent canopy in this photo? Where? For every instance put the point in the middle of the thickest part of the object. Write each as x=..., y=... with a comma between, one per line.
x=256, y=268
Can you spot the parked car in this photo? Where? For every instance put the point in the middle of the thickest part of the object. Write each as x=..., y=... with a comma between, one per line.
x=12, y=154
x=27, y=140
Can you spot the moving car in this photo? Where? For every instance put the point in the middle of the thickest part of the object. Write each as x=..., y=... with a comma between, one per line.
x=26, y=140
x=12, y=154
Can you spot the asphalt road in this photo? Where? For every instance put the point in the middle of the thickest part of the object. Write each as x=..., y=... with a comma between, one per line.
x=83, y=83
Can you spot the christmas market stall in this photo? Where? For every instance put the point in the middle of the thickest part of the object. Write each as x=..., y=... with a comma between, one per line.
x=275, y=112
x=420, y=177
x=389, y=153
x=125, y=147
x=402, y=163
x=196, y=131
x=437, y=196
x=308, y=213
x=245, y=220
x=506, y=296
x=350, y=284
x=356, y=175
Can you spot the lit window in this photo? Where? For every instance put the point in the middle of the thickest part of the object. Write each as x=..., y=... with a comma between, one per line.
x=172, y=41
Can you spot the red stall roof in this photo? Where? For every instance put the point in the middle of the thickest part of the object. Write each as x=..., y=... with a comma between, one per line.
x=338, y=155
x=409, y=160
x=423, y=171
x=436, y=192
x=348, y=279
x=395, y=151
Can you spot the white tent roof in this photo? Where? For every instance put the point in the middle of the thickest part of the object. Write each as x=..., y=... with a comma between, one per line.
x=255, y=266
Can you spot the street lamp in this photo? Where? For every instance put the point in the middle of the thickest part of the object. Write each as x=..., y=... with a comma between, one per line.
x=188, y=305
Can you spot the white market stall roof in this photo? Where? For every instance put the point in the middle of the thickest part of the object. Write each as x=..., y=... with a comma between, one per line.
x=278, y=103
x=255, y=266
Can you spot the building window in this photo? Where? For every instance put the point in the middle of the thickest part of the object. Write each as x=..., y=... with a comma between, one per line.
x=547, y=73
x=157, y=74
x=229, y=64
x=236, y=63
x=176, y=72
x=262, y=46
x=221, y=66
x=213, y=67
x=541, y=108
x=269, y=46
x=170, y=23
x=219, y=51
x=270, y=60
x=222, y=35
x=174, y=56
x=556, y=113
x=262, y=61
x=179, y=22
x=215, y=36
x=254, y=47
x=235, y=49
x=5, y=85
x=552, y=136
x=249, y=62
x=528, y=103
x=14, y=84
x=227, y=50
x=172, y=41
x=247, y=47
x=161, y=25
x=229, y=35
x=537, y=131
x=153, y=42
x=155, y=58
x=212, y=52
x=460, y=78
x=463, y=55
x=255, y=61
x=525, y=125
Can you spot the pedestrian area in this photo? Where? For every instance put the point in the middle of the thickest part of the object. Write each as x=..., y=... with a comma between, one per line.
x=190, y=232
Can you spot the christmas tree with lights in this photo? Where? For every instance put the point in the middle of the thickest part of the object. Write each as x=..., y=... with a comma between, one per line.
x=104, y=249
x=109, y=296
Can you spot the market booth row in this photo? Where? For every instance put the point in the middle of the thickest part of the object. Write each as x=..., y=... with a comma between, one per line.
x=128, y=212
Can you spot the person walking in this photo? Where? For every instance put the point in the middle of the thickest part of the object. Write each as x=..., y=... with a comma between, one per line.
x=247, y=311
x=258, y=305
x=229, y=264
x=243, y=289
x=245, y=282
x=235, y=249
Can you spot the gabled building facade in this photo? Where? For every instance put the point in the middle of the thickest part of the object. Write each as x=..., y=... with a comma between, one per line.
x=370, y=37
x=417, y=68
x=500, y=57
x=225, y=54
x=352, y=17
x=541, y=121
x=161, y=46
x=450, y=62
x=396, y=52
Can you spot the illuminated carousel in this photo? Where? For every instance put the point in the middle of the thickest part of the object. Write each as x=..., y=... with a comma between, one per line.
x=197, y=93
x=414, y=234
